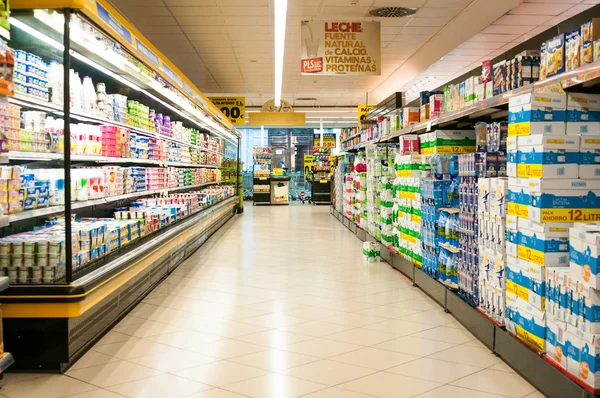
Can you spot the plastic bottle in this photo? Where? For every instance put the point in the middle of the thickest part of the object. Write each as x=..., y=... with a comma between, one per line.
x=75, y=90
x=88, y=95
x=55, y=82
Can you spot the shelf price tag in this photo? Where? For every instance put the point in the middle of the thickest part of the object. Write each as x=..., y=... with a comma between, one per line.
x=262, y=178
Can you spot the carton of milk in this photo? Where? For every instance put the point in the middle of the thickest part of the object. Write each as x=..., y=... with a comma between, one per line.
x=583, y=113
x=583, y=356
x=519, y=200
x=555, y=340
x=584, y=253
x=512, y=156
x=543, y=248
x=589, y=156
x=537, y=113
x=564, y=200
x=548, y=156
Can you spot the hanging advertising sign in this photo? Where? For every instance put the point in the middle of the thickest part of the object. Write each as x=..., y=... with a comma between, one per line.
x=234, y=108
x=308, y=167
x=328, y=140
x=277, y=119
x=341, y=48
x=363, y=110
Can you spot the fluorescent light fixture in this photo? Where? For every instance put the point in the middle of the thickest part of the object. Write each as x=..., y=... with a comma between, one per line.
x=28, y=29
x=280, y=22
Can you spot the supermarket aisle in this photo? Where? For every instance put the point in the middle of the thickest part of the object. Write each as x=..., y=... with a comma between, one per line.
x=280, y=304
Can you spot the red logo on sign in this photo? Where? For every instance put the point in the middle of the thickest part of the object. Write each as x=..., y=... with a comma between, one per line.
x=312, y=65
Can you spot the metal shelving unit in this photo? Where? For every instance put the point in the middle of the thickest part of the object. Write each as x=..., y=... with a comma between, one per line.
x=47, y=211
x=537, y=368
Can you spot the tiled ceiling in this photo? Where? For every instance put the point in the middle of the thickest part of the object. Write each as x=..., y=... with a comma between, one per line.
x=226, y=46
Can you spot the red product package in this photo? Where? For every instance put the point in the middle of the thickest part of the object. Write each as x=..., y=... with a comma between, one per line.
x=486, y=71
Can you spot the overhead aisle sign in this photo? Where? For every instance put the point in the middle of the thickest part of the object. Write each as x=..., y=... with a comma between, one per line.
x=234, y=108
x=341, y=48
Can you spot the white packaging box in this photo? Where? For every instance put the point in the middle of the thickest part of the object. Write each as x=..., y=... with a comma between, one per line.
x=512, y=242
x=563, y=200
x=498, y=205
x=585, y=255
x=548, y=156
x=526, y=326
x=555, y=340
x=489, y=89
x=541, y=248
x=583, y=113
x=550, y=230
x=530, y=292
x=469, y=90
x=583, y=356
x=537, y=113
x=480, y=92
x=590, y=312
x=589, y=156
x=519, y=201
x=512, y=156
x=483, y=198
x=532, y=270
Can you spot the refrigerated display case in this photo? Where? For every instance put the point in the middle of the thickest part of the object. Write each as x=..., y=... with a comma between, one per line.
x=112, y=160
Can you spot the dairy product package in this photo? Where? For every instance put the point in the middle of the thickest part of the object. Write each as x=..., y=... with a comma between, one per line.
x=564, y=201
x=537, y=113
x=548, y=156
x=589, y=156
x=583, y=113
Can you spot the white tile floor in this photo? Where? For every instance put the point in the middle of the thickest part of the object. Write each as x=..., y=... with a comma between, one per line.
x=280, y=304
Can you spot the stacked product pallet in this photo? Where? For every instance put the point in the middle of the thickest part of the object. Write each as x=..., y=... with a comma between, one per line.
x=410, y=168
x=555, y=183
x=374, y=157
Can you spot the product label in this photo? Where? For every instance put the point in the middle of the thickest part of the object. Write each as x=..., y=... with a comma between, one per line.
x=519, y=129
x=569, y=215
x=146, y=52
x=113, y=23
x=169, y=72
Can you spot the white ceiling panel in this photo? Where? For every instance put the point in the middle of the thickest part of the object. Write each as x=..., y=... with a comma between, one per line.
x=194, y=11
x=226, y=46
x=201, y=20
x=523, y=20
x=541, y=9
x=438, y=12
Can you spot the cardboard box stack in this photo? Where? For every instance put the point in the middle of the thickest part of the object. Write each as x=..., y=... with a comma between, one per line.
x=536, y=131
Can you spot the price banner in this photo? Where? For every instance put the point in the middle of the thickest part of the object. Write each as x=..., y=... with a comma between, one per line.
x=363, y=109
x=234, y=108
